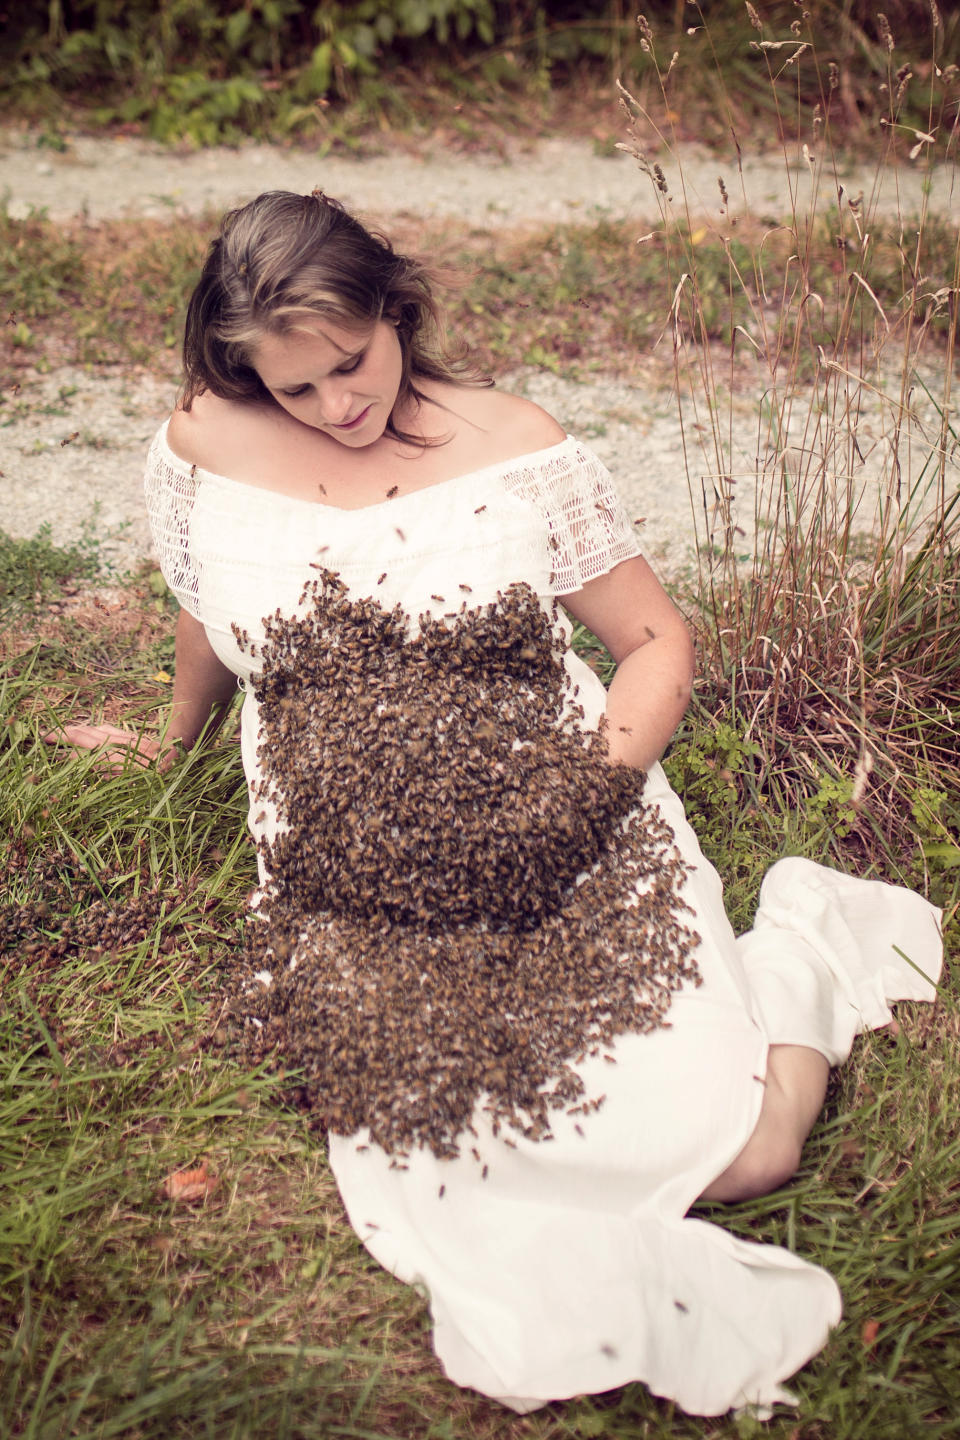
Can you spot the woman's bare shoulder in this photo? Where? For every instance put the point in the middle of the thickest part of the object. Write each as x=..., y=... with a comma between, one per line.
x=520, y=426
x=215, y=432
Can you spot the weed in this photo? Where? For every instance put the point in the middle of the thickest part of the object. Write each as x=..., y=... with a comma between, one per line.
x=828, y=627
x=31, y=571
x=41, y=268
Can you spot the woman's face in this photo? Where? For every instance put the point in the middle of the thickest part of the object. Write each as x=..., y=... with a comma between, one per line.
x=338, y=379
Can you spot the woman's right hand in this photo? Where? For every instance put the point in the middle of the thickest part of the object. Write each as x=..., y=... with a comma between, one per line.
x=119, y=747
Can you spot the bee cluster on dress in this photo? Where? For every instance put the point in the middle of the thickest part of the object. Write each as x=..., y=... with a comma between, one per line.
x=465, y=898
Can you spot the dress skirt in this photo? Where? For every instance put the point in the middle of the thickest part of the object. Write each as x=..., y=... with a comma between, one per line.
x=572, y=1266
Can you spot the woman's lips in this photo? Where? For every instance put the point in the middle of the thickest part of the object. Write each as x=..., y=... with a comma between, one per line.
x=352, y=424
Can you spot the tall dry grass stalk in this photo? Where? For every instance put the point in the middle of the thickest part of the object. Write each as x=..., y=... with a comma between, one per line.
x=820, y=441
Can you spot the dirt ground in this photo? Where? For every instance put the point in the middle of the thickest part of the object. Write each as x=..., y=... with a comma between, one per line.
x=96, y=481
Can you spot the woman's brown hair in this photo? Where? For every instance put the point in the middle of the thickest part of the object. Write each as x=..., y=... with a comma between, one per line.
x=284, y=258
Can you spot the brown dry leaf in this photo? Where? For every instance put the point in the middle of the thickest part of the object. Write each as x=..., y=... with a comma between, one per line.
x=185, y=1185
x=869, y=1333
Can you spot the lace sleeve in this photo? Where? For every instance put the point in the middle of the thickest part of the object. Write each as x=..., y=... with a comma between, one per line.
x=589, y=531
x=170, y=487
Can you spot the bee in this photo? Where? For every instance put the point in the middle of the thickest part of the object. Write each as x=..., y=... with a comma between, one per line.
x=439, y=599
x=193, y=471
x=382, y=578
x=69, y=439
x=15, y=388
x=480, y=509
x=322, y=488
x=684, y=1310
x=441, y=1192
x=400, y=534
x=394, y=490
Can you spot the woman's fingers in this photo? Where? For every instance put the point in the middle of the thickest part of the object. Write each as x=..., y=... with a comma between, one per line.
x=119, y=747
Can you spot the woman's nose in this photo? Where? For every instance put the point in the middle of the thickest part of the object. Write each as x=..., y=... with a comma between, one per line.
x=335, y=402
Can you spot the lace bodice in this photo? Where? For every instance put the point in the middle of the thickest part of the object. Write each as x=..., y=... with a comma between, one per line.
x=228, y=549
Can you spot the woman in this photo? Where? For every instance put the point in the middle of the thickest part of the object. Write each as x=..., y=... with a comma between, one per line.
x=325, y=431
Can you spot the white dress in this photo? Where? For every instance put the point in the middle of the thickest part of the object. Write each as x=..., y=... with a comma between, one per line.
x=573, y=1267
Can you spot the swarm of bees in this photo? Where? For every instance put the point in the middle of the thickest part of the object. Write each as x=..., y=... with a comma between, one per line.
x=466, y=898
x=72, y=917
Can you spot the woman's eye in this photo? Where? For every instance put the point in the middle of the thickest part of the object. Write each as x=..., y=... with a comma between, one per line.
x=295, y=394
x=352, y=365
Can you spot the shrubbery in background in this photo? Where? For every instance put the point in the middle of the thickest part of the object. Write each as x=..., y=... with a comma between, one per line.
x=210, y=70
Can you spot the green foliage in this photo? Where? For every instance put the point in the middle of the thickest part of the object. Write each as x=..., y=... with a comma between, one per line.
x=713, y=767
x=864, y=65
x=935, y=814
x=33, y=570
x=207, y=70
x=41, y=267
x=832, y=804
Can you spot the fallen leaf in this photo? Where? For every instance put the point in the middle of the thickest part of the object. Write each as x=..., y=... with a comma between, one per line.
x=185, y=1185
x=869, y=1332
x=163, y=676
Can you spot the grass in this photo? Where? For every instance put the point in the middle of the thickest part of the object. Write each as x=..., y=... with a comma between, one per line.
x=33, y=570
x=569, y=298
x=827, y=635
x=256, y=1311
x=824, y=724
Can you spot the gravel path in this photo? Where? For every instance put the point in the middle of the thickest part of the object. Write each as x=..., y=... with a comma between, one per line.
x=554, y=180
x=95, y=479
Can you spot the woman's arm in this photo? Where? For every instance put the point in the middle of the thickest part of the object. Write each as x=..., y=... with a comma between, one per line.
x=202, y=685
x=202, y=689
x=631, y=614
